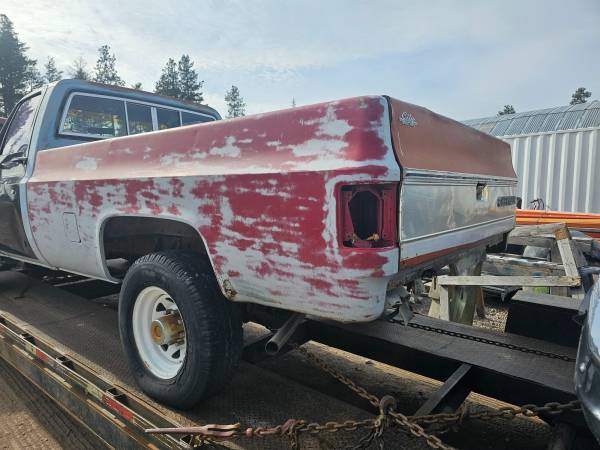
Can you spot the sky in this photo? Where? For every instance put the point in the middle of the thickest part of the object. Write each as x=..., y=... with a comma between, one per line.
x=464, y=59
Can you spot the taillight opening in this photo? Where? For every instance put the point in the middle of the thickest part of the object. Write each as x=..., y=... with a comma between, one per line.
x=369, y=216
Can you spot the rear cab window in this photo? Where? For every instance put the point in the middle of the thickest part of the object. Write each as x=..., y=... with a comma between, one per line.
x=99, y=116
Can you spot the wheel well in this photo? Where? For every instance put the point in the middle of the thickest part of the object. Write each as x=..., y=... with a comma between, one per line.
x=129, y=238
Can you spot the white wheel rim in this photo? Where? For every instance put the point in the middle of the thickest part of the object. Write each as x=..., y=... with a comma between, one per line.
x=163, y=361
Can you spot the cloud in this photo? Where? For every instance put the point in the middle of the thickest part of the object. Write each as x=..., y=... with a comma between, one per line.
x=481, y=53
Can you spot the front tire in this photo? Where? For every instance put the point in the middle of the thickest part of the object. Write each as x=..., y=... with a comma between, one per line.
x=181, y=337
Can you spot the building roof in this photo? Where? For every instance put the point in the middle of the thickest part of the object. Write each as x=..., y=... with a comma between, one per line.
x=570, y=117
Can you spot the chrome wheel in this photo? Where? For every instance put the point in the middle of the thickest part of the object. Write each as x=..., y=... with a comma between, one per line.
x=159, y=332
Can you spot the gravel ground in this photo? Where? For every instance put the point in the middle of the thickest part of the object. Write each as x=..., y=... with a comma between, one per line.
x=495, y=312
x=495, y=315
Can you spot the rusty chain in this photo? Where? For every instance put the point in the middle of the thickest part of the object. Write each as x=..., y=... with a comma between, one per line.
x=387, y=416
x=385, y=405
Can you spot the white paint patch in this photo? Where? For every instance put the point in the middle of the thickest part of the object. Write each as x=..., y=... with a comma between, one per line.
x=169, y=159
x=229, y=150
x=332, y=126
x=87, y=164
x=324, y=148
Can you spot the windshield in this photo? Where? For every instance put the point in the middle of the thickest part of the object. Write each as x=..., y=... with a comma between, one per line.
x=19, y=131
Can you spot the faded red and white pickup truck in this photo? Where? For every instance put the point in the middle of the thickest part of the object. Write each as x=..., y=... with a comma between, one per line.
x=319, y=210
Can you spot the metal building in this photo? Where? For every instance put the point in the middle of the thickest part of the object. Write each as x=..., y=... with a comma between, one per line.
x=555, y=152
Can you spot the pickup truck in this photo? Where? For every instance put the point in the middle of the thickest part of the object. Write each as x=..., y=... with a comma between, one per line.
x=319, y=210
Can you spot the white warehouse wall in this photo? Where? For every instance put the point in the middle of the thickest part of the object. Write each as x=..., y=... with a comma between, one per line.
x=561, y=167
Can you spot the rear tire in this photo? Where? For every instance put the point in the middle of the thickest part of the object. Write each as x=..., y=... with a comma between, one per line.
x=211, y=341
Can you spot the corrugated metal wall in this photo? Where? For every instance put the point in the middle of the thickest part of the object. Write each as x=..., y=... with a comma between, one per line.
x=562, y=168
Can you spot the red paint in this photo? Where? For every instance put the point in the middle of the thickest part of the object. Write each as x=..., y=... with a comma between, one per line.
x=41, y=355
x=262, y=191
x=119, y=408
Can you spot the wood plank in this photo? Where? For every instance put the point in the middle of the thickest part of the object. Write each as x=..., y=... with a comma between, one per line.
x=493, y=280
x=505, y=264
x=444, y=303
x=536, y=230
x=585, y=244
x=564, y=243
x=571, y=257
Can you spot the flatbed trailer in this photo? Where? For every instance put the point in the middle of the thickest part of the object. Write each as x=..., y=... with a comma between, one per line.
x=68, y=346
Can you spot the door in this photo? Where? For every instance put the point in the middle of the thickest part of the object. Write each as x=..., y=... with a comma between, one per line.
x=15, y=141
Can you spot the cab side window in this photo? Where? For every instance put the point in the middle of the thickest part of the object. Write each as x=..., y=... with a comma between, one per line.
x=167, y=118
x=140, y=118
x=98, y=116
x=19, y=129
x=95, y=117
x=189, y=118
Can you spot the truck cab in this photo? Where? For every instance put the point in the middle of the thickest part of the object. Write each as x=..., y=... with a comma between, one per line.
x=67, y=113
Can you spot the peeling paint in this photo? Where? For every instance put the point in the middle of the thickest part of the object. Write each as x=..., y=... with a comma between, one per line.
x=260, y=191
x=264, y=202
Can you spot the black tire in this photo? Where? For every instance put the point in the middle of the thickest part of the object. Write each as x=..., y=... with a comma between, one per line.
x=213, y=327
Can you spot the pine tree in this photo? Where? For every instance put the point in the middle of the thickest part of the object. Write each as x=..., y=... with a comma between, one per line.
x=105, y=70
x=52, y=73
x=16, y=69
x=293, y=102
x=33, y=78
x=189, y=86
x=168, y=83
x=580, y=96
x=235, y=103
x=137, y=86
x=508, y=109
x=78, y=70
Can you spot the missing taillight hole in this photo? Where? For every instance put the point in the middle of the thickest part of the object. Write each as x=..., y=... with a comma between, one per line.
x=368, y=216
x=364, y=214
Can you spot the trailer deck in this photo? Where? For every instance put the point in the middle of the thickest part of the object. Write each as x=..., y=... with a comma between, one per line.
x=267, y=393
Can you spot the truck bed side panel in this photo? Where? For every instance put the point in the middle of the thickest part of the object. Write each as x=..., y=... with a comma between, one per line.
x=260, y=190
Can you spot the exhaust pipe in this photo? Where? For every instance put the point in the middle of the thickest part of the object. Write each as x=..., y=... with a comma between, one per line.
x=284, y=334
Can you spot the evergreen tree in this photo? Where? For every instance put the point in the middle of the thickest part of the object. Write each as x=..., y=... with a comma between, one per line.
x=189, y=86
x=52, y=73
x=17, y=72
x=293, y=102
x=105, y=70
x=78, y=70
x=235, y=103
x=508, y=109
x=33, y=78
x=168, y=83
x=137, y=86
x=580, y=96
